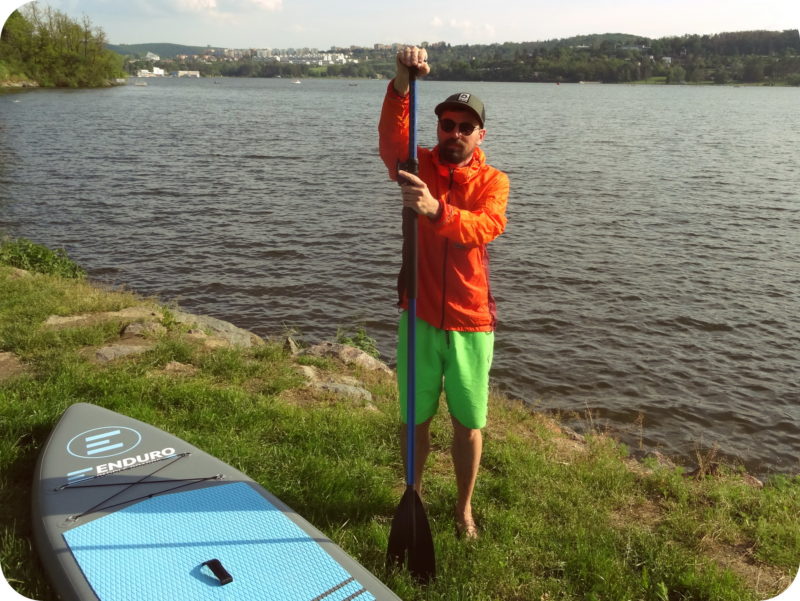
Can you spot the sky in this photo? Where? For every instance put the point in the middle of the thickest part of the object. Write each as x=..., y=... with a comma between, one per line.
x=322, y=24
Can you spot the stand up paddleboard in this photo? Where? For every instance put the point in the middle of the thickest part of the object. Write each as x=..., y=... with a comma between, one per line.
x=123, y=511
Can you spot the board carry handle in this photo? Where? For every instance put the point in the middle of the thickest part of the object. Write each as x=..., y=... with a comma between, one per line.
x=215, y=565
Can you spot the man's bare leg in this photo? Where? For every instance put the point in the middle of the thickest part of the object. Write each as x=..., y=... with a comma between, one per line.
x=467, y=448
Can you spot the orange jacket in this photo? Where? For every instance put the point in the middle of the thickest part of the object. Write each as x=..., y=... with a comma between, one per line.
x=453, y=267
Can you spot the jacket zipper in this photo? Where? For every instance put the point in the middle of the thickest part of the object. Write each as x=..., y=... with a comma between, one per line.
x=444, y=262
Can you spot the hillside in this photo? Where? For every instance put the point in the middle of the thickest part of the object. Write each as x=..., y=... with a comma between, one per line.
x=163, y=49
x=744, y=57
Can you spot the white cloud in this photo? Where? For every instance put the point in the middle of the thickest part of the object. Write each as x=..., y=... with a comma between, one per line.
x=268, y=4
x=463, y=30
x=223, y=8
x=196, y=6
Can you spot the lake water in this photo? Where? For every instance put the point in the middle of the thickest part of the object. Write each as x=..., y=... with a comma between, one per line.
x=648, y=276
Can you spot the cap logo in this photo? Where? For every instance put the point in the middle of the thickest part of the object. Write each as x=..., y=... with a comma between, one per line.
x=463, y=97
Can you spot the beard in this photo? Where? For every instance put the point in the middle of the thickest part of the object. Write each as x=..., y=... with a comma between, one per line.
x=453, y=152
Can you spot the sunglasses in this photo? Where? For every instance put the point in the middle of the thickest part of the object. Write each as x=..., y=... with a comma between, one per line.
x=465, y=129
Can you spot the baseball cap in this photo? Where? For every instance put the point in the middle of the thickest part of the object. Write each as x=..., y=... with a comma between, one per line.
x=461, y=101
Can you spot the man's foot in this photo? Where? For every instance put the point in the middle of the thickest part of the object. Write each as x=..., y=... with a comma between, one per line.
x=466, y=528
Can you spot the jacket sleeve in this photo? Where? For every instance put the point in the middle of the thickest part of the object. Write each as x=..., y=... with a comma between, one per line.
x=482, y=224
x=393, y=129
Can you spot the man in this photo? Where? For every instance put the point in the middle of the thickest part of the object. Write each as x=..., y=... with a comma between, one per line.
x=461, y=205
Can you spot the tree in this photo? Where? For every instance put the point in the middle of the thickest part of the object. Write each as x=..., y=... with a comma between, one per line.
x=753, y=70
x=677, y=74
x=50, y=48
x=15, y=44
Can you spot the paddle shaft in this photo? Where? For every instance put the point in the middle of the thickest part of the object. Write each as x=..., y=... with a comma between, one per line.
x=412, y=166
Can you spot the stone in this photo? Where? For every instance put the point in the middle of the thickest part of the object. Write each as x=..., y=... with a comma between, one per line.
x=144, y=329
x=343, y=385
x=345, y=390
x=218, y=328
x=136, y=313
x=117, y=351
x=349, y=355
x=17, y=273
x=291, y=346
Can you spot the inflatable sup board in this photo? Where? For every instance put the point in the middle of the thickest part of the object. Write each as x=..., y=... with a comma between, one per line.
x=123, y=511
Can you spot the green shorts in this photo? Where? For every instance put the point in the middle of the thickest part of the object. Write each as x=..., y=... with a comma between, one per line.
x=459, y=360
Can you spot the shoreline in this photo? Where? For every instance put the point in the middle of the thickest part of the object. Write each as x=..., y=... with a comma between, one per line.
x=217, y=333
x=12, y=84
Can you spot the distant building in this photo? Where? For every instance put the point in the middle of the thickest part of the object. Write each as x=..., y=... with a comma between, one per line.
x=156, y=72
x=152, y=57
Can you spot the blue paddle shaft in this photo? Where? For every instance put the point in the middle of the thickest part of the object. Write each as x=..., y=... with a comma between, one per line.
x=411, y=368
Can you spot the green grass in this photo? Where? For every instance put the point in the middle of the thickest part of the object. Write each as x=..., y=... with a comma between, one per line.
x=24, y=254
x=357, y=337
x=559, y=520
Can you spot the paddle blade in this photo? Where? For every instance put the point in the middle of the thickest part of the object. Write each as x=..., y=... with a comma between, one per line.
x=410, y=539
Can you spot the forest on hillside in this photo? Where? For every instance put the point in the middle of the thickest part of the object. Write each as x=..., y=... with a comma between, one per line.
x=739, y=57
x=46, y=47
x=747, y=57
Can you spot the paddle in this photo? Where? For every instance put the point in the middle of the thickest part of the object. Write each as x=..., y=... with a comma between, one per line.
x=410, y=539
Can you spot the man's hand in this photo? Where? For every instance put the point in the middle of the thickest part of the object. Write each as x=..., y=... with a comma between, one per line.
x=410, y=57
x=416, y=195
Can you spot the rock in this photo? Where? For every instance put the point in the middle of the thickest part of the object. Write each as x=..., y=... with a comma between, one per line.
x=136, y=313
x=345, y=390
x=117, y=351
x=17, y=273
x=149, y=319
x=343, y=386
x=752, y=481
x=349, y=355
x=224, y=330
x=208, y=342
x=309, y=373
x=291, y=346
x=573, y=435
x=144, y=329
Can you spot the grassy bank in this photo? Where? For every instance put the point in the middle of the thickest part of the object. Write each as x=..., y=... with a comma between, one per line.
x=561, y=519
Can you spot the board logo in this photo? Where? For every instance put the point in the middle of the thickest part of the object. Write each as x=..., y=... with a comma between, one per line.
x=108, y=441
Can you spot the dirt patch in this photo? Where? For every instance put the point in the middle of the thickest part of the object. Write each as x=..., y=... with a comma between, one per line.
x=175, y=368
x=767, y=581
x=10, y=366
x=646, y=514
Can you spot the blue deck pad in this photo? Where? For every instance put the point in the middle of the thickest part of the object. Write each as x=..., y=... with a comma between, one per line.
x=154, y=550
